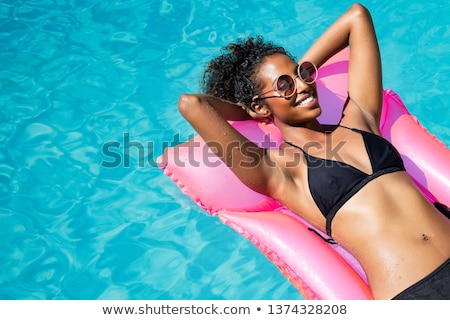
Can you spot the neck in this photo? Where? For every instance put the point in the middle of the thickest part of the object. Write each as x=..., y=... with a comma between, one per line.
x=307, y=131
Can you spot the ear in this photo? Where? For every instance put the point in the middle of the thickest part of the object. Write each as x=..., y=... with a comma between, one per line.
x=260, y=110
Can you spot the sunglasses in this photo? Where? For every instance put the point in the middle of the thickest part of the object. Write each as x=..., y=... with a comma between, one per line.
x=286, y=85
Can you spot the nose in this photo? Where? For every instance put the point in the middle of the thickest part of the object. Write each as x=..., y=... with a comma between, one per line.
x=300, y=84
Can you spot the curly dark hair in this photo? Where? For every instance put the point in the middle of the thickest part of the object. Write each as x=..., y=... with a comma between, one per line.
x=232, y=75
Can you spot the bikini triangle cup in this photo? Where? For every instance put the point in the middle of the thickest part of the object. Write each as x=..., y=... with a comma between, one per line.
x=332, y=183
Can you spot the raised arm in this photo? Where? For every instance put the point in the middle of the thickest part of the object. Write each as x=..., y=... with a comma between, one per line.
x=208, y=115
x=355, y=29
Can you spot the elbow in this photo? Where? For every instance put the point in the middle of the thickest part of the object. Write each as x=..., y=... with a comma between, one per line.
x=359, y=10
x=186, y=103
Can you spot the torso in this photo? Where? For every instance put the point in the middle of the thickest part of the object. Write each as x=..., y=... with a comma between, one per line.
x=332, y=181
x=380, y=225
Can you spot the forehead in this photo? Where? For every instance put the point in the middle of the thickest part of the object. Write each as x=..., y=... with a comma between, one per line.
x=274, y=65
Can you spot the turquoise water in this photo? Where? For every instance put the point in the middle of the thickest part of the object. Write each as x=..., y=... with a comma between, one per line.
x=76, y=76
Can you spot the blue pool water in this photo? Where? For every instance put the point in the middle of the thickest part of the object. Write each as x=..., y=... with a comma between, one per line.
x=76, y=76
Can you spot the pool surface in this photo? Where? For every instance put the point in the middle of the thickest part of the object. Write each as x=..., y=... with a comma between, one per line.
x=88, y=101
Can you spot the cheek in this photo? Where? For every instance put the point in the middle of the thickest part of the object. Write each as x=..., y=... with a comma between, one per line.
x=280, y=105
x=282, y=112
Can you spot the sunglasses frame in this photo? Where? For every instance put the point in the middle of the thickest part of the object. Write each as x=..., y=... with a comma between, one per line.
x=299, y=72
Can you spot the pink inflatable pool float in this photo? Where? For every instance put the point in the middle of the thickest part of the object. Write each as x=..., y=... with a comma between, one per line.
x=287, y=240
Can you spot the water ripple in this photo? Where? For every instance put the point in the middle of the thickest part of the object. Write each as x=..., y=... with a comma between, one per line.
x=76, y=75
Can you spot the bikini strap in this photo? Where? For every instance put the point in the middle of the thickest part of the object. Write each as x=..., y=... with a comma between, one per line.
x=296, y=146
x=353, y=129
x=327, y=240
x=356, y=130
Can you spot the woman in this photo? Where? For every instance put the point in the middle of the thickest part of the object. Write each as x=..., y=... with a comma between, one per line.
x=359, y=193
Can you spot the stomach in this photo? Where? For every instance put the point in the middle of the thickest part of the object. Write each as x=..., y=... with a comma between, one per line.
x=383, y=224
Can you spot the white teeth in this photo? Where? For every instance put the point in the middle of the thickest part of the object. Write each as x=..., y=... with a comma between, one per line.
x=306, y=101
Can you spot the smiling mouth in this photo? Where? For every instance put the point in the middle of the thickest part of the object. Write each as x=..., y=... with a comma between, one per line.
x=306, y=101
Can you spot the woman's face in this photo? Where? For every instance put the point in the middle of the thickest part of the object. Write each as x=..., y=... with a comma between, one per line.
x=301, y=107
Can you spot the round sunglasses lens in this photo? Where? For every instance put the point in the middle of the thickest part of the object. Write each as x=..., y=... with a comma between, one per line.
x=285, y=85
x=307, y=72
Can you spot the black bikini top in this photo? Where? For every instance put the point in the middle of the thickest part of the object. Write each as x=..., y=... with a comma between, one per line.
x=332, y=183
